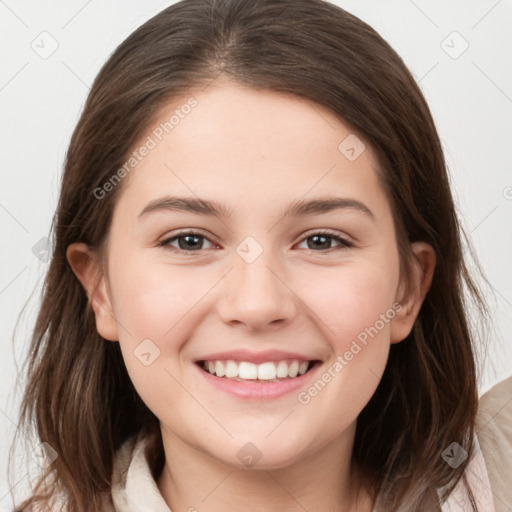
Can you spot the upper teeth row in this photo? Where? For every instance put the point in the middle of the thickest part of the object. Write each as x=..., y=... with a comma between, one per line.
x=265, y=371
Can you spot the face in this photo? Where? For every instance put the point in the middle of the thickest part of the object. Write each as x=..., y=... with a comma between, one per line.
x=292, y=288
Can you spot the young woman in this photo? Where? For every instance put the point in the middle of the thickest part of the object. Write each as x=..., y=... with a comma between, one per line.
x=256, y=294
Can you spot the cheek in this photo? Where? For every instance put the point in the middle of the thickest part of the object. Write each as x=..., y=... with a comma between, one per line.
x=151, y=299
x=352, y=299
x=356, y=308
x=155, y=302
x=365, y=306
x=151, y=305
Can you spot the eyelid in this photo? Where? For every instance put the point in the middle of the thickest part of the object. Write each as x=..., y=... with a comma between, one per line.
x=344, y=240
x=333, y=234
x=187, y=231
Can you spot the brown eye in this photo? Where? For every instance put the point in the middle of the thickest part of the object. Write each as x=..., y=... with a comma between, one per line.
x=186, y=242
x=322, y=241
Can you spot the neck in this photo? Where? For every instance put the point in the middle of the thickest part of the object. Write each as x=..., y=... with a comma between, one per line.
x=323, y=480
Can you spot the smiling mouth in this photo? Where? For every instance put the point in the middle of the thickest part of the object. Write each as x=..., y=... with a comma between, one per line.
x=267, y=372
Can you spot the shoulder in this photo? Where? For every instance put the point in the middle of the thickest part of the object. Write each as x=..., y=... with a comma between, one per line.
x=473, y=486
x=494, y=430
x=494, y=420
x=495, y=408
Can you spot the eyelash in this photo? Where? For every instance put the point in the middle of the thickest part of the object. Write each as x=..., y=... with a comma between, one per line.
x=344, y=244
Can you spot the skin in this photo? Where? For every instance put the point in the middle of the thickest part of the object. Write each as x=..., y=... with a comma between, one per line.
x=256, y=152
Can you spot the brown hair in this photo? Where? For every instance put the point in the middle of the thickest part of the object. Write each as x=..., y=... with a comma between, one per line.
x=78, y=391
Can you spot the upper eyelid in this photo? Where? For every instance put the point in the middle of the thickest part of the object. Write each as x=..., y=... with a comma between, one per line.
x=195, y=231
x=307, y=234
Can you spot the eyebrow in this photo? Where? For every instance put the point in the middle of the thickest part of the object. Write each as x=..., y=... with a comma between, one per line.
x=297, y=208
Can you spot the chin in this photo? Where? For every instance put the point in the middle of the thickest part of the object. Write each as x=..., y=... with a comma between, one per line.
x=263, y=455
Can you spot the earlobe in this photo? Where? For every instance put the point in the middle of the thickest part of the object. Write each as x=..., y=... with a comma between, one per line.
x=411, y=297
x=86, y=267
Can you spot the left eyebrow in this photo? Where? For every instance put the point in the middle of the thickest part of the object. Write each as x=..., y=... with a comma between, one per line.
x=302, y=207
x=297, y=208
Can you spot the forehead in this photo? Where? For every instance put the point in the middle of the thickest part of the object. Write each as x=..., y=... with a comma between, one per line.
x=249, y=148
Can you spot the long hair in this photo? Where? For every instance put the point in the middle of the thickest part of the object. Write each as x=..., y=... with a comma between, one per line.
x=78, y=393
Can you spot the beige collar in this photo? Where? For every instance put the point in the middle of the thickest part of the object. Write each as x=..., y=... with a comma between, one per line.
x=135, y=490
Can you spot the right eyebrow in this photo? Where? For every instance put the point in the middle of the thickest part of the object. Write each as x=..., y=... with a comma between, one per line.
x=187, y=204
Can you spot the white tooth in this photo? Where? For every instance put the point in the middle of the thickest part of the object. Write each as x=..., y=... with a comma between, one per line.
x=211, y=367
x=266, y=371
x=282, y=370
x=293, y=369
x=247, y=370
x=231, y=369
x=303, y=367
x=219, y=368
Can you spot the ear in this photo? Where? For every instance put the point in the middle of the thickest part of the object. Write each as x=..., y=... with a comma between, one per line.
x=88, y=270
x=411, y=297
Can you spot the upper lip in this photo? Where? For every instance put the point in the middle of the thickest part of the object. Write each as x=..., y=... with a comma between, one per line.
x=255, y=357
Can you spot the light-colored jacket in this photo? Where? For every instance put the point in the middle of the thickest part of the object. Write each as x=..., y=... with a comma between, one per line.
x=494, y=429
x=135, y=490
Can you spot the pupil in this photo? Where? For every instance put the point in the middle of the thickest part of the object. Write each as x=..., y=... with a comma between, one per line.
x=188, y=237
x=316, y=237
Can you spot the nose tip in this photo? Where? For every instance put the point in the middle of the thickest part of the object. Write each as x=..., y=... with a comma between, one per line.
x=254, y=294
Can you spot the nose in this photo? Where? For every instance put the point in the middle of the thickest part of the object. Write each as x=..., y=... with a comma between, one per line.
x=257, y=295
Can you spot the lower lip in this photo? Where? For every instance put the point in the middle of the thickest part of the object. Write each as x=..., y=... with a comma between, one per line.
x=251, y=389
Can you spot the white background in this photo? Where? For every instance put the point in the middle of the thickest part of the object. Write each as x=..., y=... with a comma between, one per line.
x=40, y=100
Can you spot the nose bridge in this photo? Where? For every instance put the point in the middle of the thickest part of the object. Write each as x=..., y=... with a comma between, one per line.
x=255, y=293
